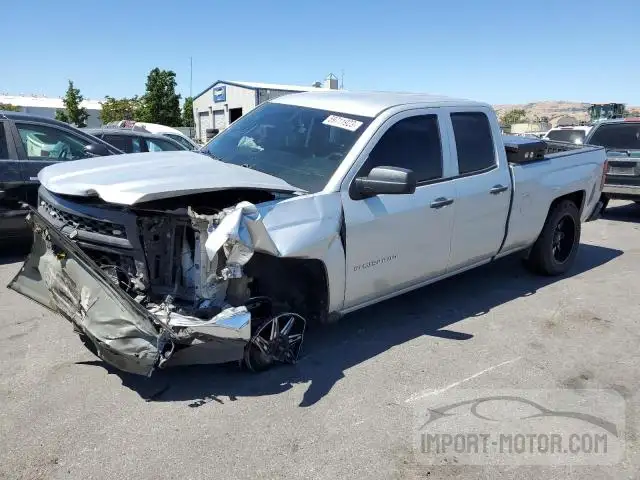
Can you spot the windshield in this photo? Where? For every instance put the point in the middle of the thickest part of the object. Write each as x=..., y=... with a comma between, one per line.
x=302, y=146
x=573, y=136
x=622, y=136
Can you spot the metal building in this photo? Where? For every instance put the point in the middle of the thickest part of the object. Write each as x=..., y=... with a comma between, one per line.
x=47, y=106
x=223, y=102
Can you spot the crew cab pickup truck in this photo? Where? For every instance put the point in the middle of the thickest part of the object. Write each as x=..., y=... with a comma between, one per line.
x=29, y=143
x=311, y=206
x=621, y=139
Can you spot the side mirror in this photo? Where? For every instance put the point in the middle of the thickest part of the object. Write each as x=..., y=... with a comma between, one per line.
x=384, y=180
x=97, y=150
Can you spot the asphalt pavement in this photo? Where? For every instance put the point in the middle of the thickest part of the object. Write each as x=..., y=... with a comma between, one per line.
x=347, y=409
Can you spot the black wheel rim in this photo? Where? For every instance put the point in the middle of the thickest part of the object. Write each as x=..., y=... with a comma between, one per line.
x=277, y=340
x=563, y=240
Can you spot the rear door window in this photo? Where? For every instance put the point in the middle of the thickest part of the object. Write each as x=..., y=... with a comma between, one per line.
x=474, y=142
x=622, y=135
x=182, y=141
x=412, y=143
x=159, y=145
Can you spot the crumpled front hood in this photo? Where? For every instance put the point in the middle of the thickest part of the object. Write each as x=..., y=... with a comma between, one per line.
x=142, y=177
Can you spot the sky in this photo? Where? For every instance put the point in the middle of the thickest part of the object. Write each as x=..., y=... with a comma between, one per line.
x=488, y=50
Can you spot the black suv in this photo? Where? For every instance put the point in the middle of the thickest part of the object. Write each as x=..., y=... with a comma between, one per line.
x=29, y=143
x=135, y=141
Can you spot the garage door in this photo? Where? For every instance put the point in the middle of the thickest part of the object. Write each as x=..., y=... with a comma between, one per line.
x=204, y=122
x=218, y=120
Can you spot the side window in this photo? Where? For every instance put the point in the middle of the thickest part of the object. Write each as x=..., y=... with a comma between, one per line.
x=412, y=143
x=180, y=140
x=157, y=145
x=42, y=142
x=4, y=149
x=474, y=141
x=121, y=142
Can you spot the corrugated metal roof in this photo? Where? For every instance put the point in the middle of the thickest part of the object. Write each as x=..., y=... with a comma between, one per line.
x=44, y=102
x=274, y=86
x=260, y=85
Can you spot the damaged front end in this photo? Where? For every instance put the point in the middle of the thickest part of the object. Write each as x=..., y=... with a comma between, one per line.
x=188, y=302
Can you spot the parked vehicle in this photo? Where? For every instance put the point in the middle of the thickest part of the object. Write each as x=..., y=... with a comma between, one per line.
x=135, y=141
x=311, y=206
x=29, y=143
x=621, y=139
x=170, y=132
x=573, y=134
x=605, y=111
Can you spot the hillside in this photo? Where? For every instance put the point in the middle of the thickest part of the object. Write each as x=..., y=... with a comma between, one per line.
x=551, y=109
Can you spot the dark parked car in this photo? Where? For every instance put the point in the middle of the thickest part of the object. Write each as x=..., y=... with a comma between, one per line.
x=29, y=143
x=135, y=141
x=621, y=139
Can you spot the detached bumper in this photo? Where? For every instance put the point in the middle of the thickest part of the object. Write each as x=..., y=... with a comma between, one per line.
x=61, y=277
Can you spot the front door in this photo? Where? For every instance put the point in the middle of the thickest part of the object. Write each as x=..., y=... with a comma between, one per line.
x=43, y=145
x=396, y=241
x=12, y=185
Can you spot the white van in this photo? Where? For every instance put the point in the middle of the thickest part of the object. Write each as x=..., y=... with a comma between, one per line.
x=572, y=134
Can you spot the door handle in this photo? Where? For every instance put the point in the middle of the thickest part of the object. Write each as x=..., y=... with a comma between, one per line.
x=496, y=189
x=441, y=202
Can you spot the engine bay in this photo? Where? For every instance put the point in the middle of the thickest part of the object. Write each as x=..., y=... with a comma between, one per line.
x=203, y=281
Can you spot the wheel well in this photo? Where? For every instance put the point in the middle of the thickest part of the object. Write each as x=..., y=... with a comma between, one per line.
x=576, y=197
x=294, y=284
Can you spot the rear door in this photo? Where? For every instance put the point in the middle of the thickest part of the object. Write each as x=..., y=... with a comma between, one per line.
x=483, y=186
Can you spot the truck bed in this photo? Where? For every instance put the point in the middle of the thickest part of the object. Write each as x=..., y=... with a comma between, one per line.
x=548, y=148
x=564, y=168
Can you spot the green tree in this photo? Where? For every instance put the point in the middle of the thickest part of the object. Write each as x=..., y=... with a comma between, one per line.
x=9, y=108
x=73, y=113
x=187, y=113
x=517, y=115
x=115, y=109
x=161, y=103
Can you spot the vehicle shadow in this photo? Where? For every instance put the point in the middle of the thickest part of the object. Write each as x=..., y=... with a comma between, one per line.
x=629, y=212
x=330, y=350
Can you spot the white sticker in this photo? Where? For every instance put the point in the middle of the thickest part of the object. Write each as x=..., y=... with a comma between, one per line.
x=342, y=122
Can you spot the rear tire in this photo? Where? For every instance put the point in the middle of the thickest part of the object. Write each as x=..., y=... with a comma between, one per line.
x=556, y=248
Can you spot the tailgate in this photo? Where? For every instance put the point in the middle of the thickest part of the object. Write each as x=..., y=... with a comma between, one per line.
x=61, y=277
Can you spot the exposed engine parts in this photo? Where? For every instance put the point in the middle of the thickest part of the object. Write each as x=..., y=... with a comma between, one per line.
x=194, y=282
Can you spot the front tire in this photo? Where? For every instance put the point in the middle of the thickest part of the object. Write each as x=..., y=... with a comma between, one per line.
x=556, y=248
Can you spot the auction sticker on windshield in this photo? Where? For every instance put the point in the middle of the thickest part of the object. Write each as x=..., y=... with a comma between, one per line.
x=342, y=122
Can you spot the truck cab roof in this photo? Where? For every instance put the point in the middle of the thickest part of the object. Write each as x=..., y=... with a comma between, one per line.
x=370, y=104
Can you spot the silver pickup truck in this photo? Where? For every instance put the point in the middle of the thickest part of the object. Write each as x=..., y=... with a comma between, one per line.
x=311, y=206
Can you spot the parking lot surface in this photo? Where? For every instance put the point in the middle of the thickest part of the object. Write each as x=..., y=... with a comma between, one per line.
x=346, y=409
